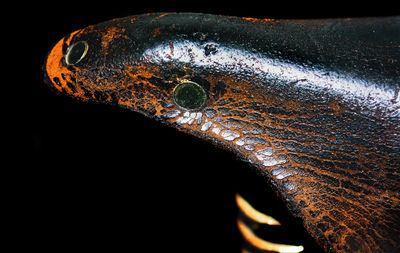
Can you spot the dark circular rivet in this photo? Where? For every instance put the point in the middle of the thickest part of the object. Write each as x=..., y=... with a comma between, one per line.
x=76, y=52
x=189, y=95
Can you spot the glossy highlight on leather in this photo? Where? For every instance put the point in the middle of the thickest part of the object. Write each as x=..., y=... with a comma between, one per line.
x=313, y=104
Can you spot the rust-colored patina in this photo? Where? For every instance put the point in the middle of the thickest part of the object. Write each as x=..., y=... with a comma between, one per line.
x=313, y=104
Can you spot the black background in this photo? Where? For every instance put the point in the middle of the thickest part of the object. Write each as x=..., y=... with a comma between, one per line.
x=94, y=177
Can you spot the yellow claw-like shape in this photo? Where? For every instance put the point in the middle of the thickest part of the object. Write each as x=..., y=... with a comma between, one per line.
x=253, y=214
x=261, y=218
x=265, y=245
